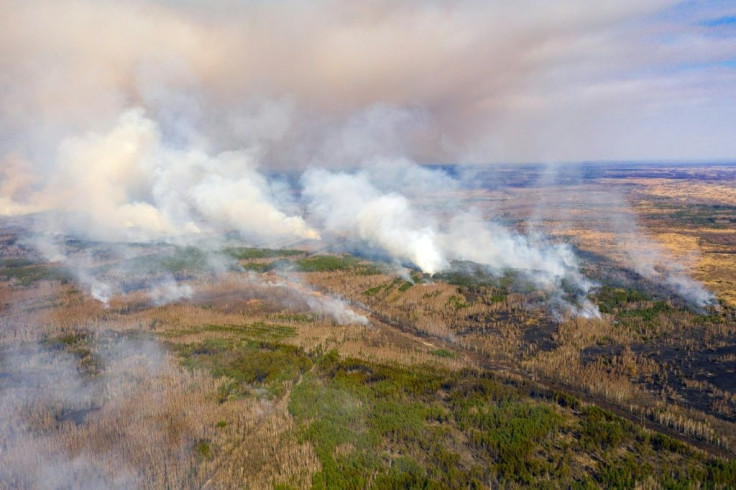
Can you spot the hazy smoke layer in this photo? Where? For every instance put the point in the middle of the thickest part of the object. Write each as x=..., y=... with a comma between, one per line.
x=489, y=81
x=294, y=294
x=609, y=211
x=62, y=427
x=652, y=261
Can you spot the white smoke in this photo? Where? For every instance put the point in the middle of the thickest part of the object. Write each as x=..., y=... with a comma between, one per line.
x=470, y=237
x=146, y=120
x=350, y=206
x=284, y=291
x=336, y=309
x=129, y=185
x=169, y=291
x=649, y=259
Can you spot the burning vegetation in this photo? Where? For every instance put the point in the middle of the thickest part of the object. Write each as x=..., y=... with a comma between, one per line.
x=290, y=368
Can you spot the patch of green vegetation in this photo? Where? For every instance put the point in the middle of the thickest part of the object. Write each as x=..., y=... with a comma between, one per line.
x=715, y=216
x=78, y=344
x=464, y=278
x=203, y=450
x=296, y=317
x=611, y=299
x=403, y=287
x=393, y=427
x=25, y=272
x=175, y=261
x=248, y=366
x=457, y=302
x=394, y=283
x=331, y=263
x=246, y=253
x=373, y=291
x=254, y=331
x=601, y=430
x=268, y=365
x=510, y=433
x=365, y=407
x=184, y=259
x=443, y=353
x=498, y=296
x=649, y=313
x=480, y=283
x=259, y=267
x=17, y=262
x=383, y=410
x=327, y=263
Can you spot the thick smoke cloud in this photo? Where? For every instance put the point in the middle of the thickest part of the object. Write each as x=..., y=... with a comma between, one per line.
x=489, y=81
x=128, y=185
x=351, y=208
x=156, y=120
x=349, y=205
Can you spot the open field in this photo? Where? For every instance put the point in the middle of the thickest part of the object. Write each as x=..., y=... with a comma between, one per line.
x=290, y=369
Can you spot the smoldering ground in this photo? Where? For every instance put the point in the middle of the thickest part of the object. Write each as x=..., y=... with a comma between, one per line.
x=92, y=409
x=609, y=211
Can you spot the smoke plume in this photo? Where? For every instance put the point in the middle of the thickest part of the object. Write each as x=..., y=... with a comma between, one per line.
x=153, y=121
x=350, y=208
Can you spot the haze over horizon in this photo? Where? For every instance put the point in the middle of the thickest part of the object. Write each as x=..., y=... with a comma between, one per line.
x=331, y=84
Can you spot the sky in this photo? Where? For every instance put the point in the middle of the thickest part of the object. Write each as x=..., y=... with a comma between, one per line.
x=334, y=83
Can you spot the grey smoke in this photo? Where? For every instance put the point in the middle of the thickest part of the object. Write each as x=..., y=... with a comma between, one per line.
x=166, y=138
x=168, y=291
x=44, y=396
x=324, y=305
x=609, y=211
x=650, y=259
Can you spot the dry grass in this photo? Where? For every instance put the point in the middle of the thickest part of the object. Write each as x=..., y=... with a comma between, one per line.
x=150, y=427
